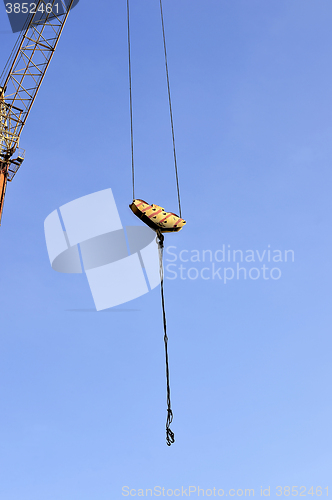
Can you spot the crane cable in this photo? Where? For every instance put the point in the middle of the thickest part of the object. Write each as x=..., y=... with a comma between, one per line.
x=131, y=104
x=160, y=237
x=169, y=102
x=170, y=107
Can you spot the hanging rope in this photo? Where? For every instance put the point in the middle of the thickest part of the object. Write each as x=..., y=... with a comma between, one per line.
x=169, y=434
x=170, y=106
x=160, y=237
x=131, y=105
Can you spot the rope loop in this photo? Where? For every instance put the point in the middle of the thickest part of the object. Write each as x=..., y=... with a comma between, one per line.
x=169, y=434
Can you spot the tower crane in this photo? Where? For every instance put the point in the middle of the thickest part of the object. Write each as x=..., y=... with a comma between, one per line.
x=23, y=75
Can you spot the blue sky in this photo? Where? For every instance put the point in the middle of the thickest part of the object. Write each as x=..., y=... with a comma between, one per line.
x=83, y=402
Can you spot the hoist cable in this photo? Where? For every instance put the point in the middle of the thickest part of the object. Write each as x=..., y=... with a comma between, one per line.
x=131, y=105
x=160, y=237
x=170, y=106
x=169, y=434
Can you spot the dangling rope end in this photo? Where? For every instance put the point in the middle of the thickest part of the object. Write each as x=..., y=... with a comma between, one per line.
x=169, y=434
x=169, y=437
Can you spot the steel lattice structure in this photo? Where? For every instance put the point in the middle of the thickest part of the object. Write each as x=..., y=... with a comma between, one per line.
x=27, y=67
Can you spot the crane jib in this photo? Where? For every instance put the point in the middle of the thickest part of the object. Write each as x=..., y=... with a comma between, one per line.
x=27, y=67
